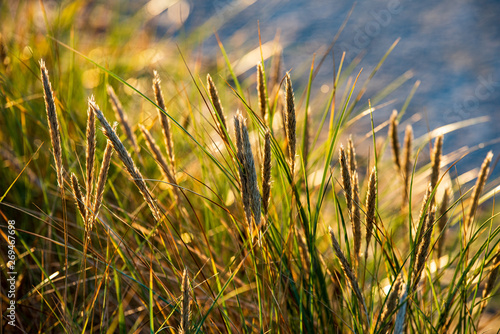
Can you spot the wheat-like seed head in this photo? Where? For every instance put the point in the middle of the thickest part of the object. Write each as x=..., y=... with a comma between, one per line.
x=90, y=159
x=346, y=268
x=346, y=178
x=478, y=188
x=393, y=134
x=442, y=220
x=77, y=194
x=55, y=136
x=117, y=107
x=351, y=155
x=261, y=91
x=423, y=249
x=492, y=277
x=186, y=313
x=436, y=161
x=219, y=114
x=391, y=303
x=127, y=161
x=266, y=173
x=290, y=121
x=165, y=122
x=248, y=176
x=101, y=179
x=356, y=217
x=406, y=164
x=371, y=201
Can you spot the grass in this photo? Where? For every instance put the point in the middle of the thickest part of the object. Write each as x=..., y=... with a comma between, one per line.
x=201, y=213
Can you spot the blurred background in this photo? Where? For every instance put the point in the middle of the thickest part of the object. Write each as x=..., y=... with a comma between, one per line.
x=450, y=47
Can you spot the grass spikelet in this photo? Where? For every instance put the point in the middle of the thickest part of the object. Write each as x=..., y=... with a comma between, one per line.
x=442, y=221
x=127, y=161
x=261, y=91
x=101, y=179
x=160, y=159
x=79, y=199
x=406, y=165
x=266, y=173
x=422, y=216
x=186, y=302
x=436, y=161
x=371, y=201
x=219, y=116
x=122, y=118
x=492, y=277
x=165, y=122
x=248, y=175
x=478, y=188
x=90, y=159
x=55, y=136
x=356, y=217
x=346, y=178
x=393, y=135
x=351, y=156
x=290, y=121
x=390, y=304
x=346, y=268
x=423, y=249
x=240, y=154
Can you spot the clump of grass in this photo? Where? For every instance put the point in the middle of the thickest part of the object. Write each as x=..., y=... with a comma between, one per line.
x=290, y=280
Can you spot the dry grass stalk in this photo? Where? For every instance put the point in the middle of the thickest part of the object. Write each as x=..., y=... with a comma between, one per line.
x=478, y=188
x=442, y=220
x=423, y=248
x=165, y=122
x=492, y=277
x=219, y=114
x=351, y=156
x=393, y=135
x=356, y=217
x=266, y=173
x=79, y=199
x=101, y=179
x=90, y=159
x=436, y=161
x=261, y=91
x=371, y=201
x=290, y=121
x=248, y=176
x=346, y=178
x=346, y=268
x=127, y=161
x=55, y=136
x=186, y=312
x=406, y=164
x=117, y=107
x=160, y=159
x=390, y=304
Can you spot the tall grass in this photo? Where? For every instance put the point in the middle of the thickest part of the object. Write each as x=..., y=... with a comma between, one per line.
x=195, y=223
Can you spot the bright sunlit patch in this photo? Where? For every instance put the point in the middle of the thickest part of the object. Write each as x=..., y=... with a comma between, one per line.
x=178, y=13
x=156, y=7
x=91, y=78
x=186, y=237
x=27, y=53
x=325, y=89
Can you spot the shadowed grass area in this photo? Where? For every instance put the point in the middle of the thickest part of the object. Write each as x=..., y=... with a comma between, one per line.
x=231, y=204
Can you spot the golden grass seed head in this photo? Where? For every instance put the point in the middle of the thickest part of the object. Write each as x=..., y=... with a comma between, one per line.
x=261, y=90
x=55, y=136
x=164, y=120
x=393, y=135
x=266, y=173
x=371, y=201
x=290, y=121
x=79, y=199
x=478, y=188
x=346, y=177
x=436, y=161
